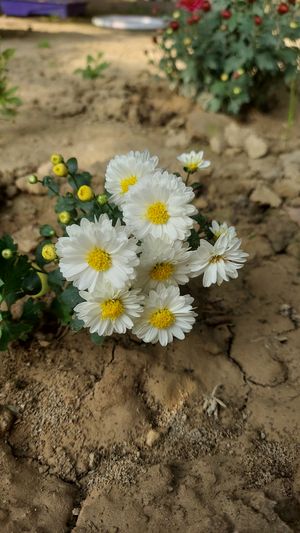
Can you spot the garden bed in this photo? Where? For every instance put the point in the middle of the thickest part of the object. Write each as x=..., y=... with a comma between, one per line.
x=115, y=437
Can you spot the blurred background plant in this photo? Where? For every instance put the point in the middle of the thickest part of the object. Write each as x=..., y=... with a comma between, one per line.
x=9, y=101
x=233, y=53
x=94, y=67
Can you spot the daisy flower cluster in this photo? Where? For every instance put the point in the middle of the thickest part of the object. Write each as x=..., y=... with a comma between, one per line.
x=129, y=270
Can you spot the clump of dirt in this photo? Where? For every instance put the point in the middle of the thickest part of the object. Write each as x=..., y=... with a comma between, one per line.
x=116, y=438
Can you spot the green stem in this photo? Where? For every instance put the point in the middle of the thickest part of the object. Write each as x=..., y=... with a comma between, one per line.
x=49, y=187
x=74, y=181
x=187, y=178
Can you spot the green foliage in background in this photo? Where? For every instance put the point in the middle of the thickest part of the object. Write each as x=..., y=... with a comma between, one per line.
x=8, y=99
x=233, y=52
x=94, y=67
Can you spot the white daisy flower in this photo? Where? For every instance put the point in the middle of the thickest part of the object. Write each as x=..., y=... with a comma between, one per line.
x=193, y=161
x=219, y=229
x=125, y=171
x=160, y=207
x=96, y=253
x=108, y=310
x=221, y=261
x=167, y=314
x=166, y=262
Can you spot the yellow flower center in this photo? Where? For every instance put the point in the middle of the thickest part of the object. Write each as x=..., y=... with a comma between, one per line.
x=216, y=259
x=192, y=166
x=111, y=309
x=125, y=183
x=162, y=319
x=157, y=213
x=218, y=234
x=99, y=259
x=162, y=271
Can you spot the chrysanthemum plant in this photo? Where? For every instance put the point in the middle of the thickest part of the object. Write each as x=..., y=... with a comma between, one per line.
x=233, y=52
x=120, y=257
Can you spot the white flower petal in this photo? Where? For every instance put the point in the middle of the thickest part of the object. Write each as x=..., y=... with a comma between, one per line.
x=181, y=312
x=99, y=235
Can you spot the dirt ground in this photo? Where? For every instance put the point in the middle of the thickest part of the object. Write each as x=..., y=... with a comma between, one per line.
x=115, y=438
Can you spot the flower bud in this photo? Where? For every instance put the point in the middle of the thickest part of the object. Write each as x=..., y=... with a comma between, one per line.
x=85, y=193
x=174, y=25
x=226, y=14
x=102, y=199
x=236, y=90
x=64, y=217
x=56, y=159
x=32, y=179
x=60, y=170
x=7, y=253
x=206, y=5
x=224, y=76
x=49, y=252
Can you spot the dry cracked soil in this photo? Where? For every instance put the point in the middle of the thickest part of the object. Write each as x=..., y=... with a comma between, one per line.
x=115, y=438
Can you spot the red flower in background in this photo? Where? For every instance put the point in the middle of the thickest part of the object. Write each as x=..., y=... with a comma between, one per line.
x=283, y=8
x=191, y=5
x=226, y=14
x=206, y=5
x=193, y=19
x=174, y=25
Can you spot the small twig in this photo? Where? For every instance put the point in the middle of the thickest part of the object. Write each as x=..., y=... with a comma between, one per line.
x=211, y=403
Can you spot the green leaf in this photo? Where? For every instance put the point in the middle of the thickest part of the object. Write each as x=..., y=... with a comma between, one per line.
x=61, y=311
x=86, y=207
x=44, y=44
x=266, y=61
x=214, y=104
x=56, y=280
x=13, y=272
x=72, y=165
x=8, y=53
x=62, y=306
x=194, y=239
x=84, y=178
x=10, y=331
x=232, y=64
x=7, y=242
x=65, y=203
x=32, y=311
x=51, y=184
x=76, y=324
x=70, y=296
x=97, y=339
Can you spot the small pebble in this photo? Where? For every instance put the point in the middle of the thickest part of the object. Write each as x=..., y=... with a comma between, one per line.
x=7, y=419
x=151, y=437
